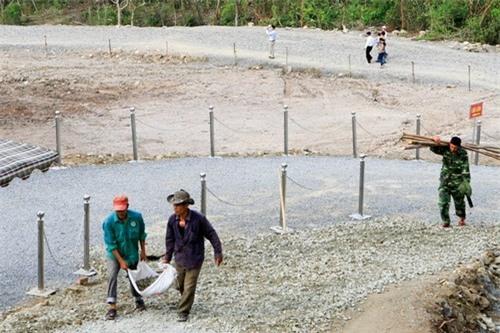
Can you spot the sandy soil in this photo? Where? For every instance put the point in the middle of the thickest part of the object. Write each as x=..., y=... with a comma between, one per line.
x=403, y=308
x=171, y=95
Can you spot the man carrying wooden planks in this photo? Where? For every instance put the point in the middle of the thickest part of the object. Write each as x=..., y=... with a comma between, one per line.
x=454, y=179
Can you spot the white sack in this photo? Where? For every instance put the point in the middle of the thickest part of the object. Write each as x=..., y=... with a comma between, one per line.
x=160, y=285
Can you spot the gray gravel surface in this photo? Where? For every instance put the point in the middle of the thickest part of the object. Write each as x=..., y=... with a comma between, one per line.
x=394, y=188
x=298, y=282
x=325, y=50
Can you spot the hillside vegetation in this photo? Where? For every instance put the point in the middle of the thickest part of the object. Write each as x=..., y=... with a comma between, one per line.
x=472, y=20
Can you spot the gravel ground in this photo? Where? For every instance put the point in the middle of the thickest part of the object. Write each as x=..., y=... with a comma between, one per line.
x=295, y=283
x=326, y=50
x=393, y=188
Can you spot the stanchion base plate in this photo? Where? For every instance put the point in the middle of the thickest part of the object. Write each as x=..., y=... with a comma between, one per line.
x=41, y=292
x=138, y=161
x=359, y=217
x=58, y=167
x=279, y=230
x=82, y=272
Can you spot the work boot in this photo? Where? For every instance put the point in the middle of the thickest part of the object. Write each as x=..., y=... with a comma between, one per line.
x=446, y=225
x=111, y=314
x=139, y=305
x=182, y=317
x=461, y=222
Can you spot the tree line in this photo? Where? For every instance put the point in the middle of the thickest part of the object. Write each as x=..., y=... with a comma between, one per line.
x=472, y=20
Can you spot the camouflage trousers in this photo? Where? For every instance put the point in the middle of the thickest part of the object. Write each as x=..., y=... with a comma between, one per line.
x=446, y=192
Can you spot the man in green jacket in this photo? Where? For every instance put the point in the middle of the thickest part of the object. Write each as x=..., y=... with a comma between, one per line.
x=124, y=231
x=454, y=172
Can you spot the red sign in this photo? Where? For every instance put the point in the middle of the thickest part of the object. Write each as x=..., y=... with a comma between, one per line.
x=476, y=110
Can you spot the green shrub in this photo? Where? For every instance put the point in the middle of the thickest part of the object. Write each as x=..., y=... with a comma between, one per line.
x=12, y=13
x=227, y=13
x=446, y=16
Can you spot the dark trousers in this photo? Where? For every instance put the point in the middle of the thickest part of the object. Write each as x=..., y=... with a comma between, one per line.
x=368, y=55
x=187, y=280
x=113, y=270
x=381, y=58
x=445, y=195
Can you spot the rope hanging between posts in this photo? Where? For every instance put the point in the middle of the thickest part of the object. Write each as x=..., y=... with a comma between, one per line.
x=50, y=250
x=151, y=126
x=302, y=186
x=489, y=136
x=365, y=130
x=300, y=126
x=235, y=130
x=227, y=202
x=317, y=189
x=425, y=128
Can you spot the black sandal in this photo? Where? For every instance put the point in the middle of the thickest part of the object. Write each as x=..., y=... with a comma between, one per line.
x=111, y=314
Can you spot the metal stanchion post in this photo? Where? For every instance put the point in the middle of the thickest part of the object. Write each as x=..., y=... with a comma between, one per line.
x=354, y=139
x=109, y=47
x=212, y=134
x=86, y=232
x=41, y=265
x=478, y=141
x=285, y=130
x=283, y=227
x=86, y=271
x=468, y=66
x=350, y=72
x=40, y=289
x=359, y=215
x=203, y=200
x=166, y=48
x=413, y=71
x=46, y=46
x=134, y=134
x=58, y=137
x=234, y=52
x=417, y=151
x=283, y=196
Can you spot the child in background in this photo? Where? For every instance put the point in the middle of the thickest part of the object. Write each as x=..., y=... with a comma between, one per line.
x=271, y=34
x=381, y=51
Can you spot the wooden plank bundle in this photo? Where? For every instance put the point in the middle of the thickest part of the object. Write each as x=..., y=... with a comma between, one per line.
x=418, y=141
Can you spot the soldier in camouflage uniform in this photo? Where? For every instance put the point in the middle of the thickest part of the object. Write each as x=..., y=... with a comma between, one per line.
x=454, y=171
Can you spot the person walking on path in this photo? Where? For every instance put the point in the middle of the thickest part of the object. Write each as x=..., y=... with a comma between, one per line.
x=381, y=51
x=271, y=34
x=370, y=43
x=124, y=231
x=185, y=242
x=454, y=179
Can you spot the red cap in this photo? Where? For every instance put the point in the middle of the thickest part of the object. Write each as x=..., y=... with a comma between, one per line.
x=120, y=203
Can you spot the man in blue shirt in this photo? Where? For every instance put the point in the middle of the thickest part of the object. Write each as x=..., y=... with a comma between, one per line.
x=124, y=231
x=185, y=240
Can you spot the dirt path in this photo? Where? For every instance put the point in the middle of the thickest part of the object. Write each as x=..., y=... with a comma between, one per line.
x=437, y=63
x=172, y=95
x=402, y=308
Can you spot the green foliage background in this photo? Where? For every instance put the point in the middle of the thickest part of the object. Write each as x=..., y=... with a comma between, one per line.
x=473, y=20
